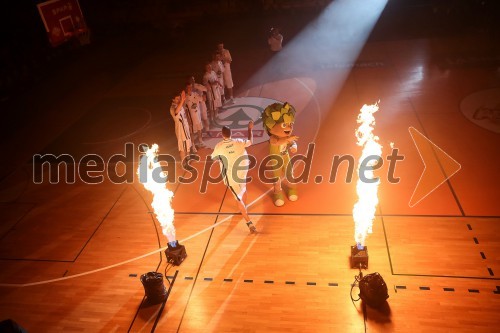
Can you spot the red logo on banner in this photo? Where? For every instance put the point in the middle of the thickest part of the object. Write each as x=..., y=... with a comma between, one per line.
x=63, y=20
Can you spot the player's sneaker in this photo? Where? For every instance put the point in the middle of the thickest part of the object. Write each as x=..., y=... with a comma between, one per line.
x=251, y=227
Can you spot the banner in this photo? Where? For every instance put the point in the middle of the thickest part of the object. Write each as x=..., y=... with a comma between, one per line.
x=63, y=20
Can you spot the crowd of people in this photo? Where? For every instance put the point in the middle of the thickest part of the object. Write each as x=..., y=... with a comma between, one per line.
x=196, y=108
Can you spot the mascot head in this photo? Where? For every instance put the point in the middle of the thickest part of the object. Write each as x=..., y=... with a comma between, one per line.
x=278, y=119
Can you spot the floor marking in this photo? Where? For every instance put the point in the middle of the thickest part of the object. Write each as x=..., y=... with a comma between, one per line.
x=330, y=284
x=184, y=240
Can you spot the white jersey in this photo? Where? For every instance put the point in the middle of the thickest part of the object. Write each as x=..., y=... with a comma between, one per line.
x=228, y=77
x=232, y=153
x=213, y=94
x=181, y=128
x=218, y=68
x=192, y=103
x=200, y=89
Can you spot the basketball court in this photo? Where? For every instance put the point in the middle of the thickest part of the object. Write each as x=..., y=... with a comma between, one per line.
x=72, y=254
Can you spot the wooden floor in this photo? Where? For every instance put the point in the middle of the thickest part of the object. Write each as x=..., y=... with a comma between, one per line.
x=72, y=254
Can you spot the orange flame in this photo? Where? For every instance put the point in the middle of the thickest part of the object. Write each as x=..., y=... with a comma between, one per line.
x=363, y=212
x=153, y=179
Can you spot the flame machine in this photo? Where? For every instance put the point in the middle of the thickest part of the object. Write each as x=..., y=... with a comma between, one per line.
x=359, y=256
x=175, y=253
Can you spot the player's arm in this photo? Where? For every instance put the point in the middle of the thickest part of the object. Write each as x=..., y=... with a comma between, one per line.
x=216, y=153
x=181, y=103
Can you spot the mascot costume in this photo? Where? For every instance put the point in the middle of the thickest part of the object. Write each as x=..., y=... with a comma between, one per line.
x=278, y=121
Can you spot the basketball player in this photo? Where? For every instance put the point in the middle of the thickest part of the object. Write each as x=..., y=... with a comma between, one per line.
x=228, y=77
x=232, y=154
x=192, y=104
x=181, y=125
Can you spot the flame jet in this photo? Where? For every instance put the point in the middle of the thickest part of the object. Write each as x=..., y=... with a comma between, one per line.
x=154, y=179
x=363, y=212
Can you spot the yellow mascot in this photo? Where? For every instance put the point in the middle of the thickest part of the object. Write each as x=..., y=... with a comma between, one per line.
x=278, y=121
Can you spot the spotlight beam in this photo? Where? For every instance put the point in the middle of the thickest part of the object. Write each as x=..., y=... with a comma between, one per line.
x=335, y=38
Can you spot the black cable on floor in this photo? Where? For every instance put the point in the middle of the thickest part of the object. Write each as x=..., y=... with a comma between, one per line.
x=357, y=279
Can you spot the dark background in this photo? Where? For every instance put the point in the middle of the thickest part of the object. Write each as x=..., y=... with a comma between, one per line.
x=26, y=56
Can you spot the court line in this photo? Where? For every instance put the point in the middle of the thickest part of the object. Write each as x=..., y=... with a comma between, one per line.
x=201, y=263
x=99, y=225
x=132, y=259
x=165, y=247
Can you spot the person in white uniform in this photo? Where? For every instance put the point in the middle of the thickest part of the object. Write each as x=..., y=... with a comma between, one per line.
x=192, y=104
x=234, y=162
x=202, y=91
x=226, y=60
x=218, y=68
x=211, y=82
x=181, y=125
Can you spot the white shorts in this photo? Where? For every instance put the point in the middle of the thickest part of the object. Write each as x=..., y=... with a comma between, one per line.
x=237, y=187
x=228, y=77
